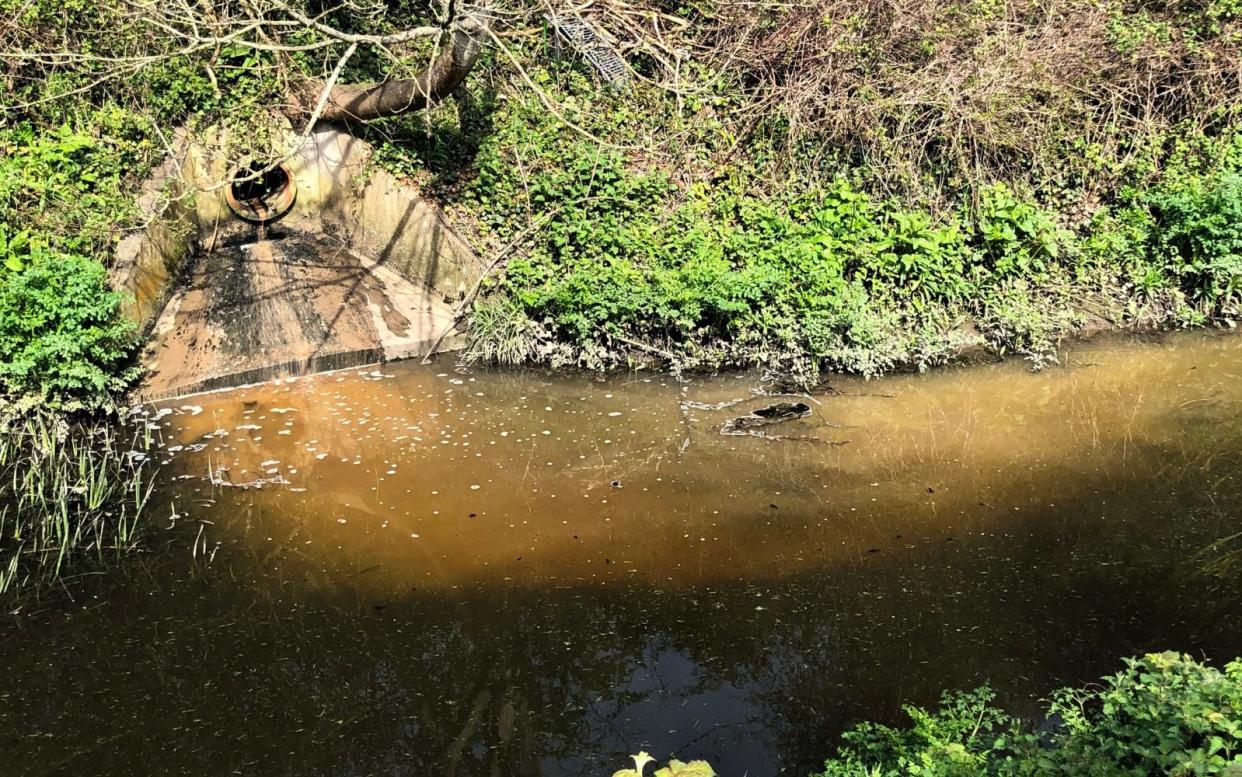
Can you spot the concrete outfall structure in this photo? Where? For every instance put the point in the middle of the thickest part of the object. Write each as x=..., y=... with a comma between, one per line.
x=359, y=269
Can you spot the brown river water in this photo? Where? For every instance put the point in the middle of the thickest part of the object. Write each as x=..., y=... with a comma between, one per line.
x=417, y=570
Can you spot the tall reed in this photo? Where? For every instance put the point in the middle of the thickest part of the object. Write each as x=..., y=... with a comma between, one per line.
x=69, y=491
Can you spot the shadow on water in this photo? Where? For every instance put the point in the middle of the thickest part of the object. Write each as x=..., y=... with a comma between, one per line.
x=839, y=584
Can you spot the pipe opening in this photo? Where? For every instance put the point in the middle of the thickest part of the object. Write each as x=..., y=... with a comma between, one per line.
x=261, y=197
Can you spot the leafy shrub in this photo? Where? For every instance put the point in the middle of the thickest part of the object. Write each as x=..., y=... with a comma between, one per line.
x=1163, y=714
x=1199, y=237
x=956, y=739
x=61, y=336
x=1014, y=237
x=65, y=184
x=925, y=260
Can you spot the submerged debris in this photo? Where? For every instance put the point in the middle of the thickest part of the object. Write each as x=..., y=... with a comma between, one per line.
x=766, y=416
x=752, y=424
x=219, y=479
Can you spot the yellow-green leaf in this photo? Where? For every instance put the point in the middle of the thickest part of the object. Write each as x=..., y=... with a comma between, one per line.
x=693, y=769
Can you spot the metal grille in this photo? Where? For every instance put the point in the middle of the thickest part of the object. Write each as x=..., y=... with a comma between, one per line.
x=575, y=33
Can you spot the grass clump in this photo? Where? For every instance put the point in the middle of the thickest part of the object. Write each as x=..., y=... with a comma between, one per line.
x=1163, y=714
x=71, y=493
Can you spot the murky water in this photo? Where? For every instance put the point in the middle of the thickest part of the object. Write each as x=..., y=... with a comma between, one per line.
x=415, y=571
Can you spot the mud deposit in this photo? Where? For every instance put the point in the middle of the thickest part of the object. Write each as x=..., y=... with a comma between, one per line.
x=419, y=571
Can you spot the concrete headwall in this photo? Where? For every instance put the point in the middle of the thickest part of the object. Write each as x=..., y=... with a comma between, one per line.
x=339, y=190
x=148, y=261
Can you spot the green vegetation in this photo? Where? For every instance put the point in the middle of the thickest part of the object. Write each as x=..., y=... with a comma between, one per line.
x=69, y=492
x=63, y=205
x=835, y=185
x=1163, y=714
x=72, y=488
x=819, y=272
x=61, y=336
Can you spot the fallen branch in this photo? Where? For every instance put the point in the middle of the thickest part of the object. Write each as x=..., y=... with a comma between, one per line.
x=644, y=347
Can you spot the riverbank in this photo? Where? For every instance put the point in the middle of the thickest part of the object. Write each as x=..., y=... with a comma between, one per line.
x=820, y=274
x=703, y=209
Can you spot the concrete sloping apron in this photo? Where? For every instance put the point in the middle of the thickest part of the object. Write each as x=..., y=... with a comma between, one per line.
x=292, y=304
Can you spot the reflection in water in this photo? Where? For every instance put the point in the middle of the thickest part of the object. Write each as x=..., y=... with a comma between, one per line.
x=516, y=574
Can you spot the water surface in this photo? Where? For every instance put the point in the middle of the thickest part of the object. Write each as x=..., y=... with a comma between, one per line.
x=411, y=570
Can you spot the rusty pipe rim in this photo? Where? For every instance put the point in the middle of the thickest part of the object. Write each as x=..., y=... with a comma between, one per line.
x=262, y=198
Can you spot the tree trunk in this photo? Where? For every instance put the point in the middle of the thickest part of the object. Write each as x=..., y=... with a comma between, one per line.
x=362, y=102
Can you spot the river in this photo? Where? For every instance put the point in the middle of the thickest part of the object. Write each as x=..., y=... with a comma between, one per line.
x=416, y=570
